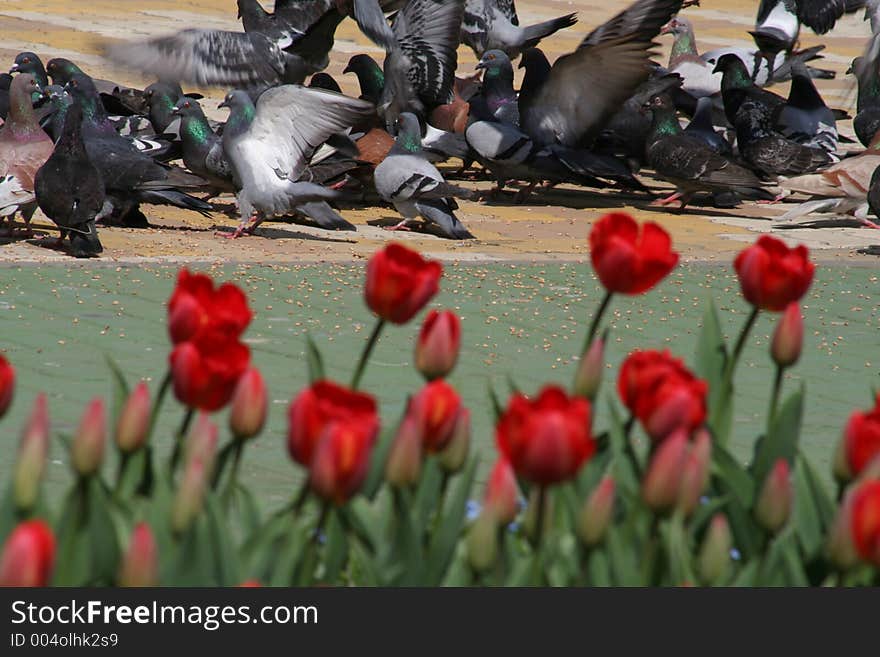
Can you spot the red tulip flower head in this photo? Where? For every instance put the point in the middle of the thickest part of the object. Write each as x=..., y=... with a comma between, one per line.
x=206, y=370
x=7, y=385
x=436, y=408
x=771, y=275
x=197, y=307
x=861, y=439
x=438, y=344
x=341, y=461
x=866, y=521
x=400, y=282
x=627, y=258
x=28, y=555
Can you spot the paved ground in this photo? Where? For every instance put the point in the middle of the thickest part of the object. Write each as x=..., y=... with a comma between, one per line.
x=550, y=227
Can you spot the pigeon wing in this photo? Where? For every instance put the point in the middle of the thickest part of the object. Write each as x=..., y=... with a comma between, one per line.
x=371, y=19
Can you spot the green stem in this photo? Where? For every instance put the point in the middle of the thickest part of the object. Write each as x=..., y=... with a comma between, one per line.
x=238, y=450
x=301, y=497
x=774, y=397
x=365, y=354
x=597, y=318
x=441, y=500
x=740, y=344
x=539, y=517
x=160, y=398
x=178, y=441
x=629, y=448
x=124, y=458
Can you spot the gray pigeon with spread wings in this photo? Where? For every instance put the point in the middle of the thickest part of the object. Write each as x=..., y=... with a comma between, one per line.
x=269, y=145
x=494, y=25
x=583, y=89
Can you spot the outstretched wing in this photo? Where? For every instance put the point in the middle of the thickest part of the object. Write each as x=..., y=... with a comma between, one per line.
x=290, y=123
x=205, y=57
x=371, y=19
x=822, y=15
x=586, y=87
x=427, y=32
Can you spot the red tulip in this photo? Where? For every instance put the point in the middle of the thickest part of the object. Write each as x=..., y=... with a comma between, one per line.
x=862, y=439
x=695, y=474
x=140, y=563
x=250, y=404
x=400, y=282
x=341, y=461
x=436, y=408
x=771, y=275
x=87, y=449
x=201, y=453
x=628, y=260
x=404, y=464
x=788, y=338
x=438, y=344
x=7, y=385
x=28, y=555
x=502, y=494
x=548, y=438
x=662, y=393
x=320, y=405
x=866, y=521
x=196, y=307
x=595, y=515
x=133, y=424
x=206, y=370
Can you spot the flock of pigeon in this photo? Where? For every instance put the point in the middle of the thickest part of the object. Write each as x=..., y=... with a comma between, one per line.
x=87, y=151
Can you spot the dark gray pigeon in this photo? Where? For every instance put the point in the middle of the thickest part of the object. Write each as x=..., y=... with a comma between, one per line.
x=702, y=128
x=28, y=62
x=69, y=188
x=497, y=99
x=867, y=120
x=582, y=90
x=494, y=25
x=269, y=146
x=414, y=185
x=805, y=118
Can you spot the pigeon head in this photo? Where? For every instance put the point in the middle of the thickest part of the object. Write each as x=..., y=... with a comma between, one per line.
x=659, y=102
x=21, y=110
x=495, y=63
x=409, y=133
x=369, y=74
x=677, y=26
x=162, y=90
x=730, y=63
x=62, y=70
x=241, y=113
x=24, y=86
x=534, y=59
x=236, y=100
x=28, y=62
x=56, y=94
x=324, y=81
x=186, y=106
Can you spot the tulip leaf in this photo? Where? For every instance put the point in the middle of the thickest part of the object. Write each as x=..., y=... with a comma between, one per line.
x=624, y=562
x=260, y=552
x=103, y=536
x=711, y=361
x=747, y=575
x=678, y=552
x=448, y=530
x=376, y=474
x=133, y=473
x=807, y=523
x=314, y=360
x=430, y=489
x=825, y=506
x=598, y=568
x=120, y=386
x=8, y=514
x=363, y=567
x=794, y=567
x=407, y=547
x=287, y=557
x=353, y=517
x=248, y=511
x=195, y=556
x=781, y=440
x=732, y=476
x=226, y=562
x=497, y=408
x=624, y=471
x=336, y=552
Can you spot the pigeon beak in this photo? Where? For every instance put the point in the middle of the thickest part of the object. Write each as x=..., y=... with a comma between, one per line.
x=666, y=29
x=347, y=69
x=222, y=104
x=480, y=65
x=14, y=68
x=175, y=110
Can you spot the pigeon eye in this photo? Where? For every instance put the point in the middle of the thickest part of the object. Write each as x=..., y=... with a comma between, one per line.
x=25, y=60
x=186, y=104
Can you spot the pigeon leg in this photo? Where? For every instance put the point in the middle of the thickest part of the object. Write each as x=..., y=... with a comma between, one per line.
x=772, y=201
x=668, y=200
x=524, y=193
x=401, y=226
x=867, y=223
x=245, y=227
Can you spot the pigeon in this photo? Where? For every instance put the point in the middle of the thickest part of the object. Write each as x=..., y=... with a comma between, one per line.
x=571, y=102
x=161, y=99
x=497, y=100
x=268, y=146
x=69, y=188
x=689, y=163
x=805, y=118
x=867, y=120
x=494, y=25
x=24, y=148
x=130, y=176
x=414, y=185
x=28, y=62
x=874, y=196
x=324, y=81
x=59, y=101
x=370, y=77
x=737, y=85
x=702, y=128
x=5, y=82
x=769, y=153
x=453, y=116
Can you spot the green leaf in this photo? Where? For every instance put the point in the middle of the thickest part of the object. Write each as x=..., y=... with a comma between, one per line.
x=289, y=554
x=711, y=360
x=376, y=474
x=428, y=493
x=781, y=440
x=497, y=408
x=732, y=476
x=247, y=510
x=120, y=386
x=622, y=468
x=678, y=552
x=314, y=359
x=363, y=567
x=336, y=552
x=102, y=535
x=748, y=575
x=825, y=504
x=407, y=553
x=134, y=472
x=598, y=568
x=451, y=522
x=621, y=553
x=807, y=524
x=226, y=563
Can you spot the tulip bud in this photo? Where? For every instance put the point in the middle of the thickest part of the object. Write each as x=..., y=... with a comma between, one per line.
x=773, y=507
x=404, y=463
x=133, y=424
x=482, y=543
x=713, y=561
x=32, y=452
x=201, y=450
x=841, y=548
x=662, y=481
x=502, y=494
x=695, y=474
x=87, y=451
x=341, y=461
x=588, y=377
x=453, y=456
x=250, y=403
x=788, y=338
x=438, y=344
x=595, y=514
x=28, y=555
x=865, y=520
x=841, y=469
x=7, y=385
x=140, y=563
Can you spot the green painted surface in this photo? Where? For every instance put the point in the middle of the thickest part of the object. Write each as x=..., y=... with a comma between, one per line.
x=56, y=323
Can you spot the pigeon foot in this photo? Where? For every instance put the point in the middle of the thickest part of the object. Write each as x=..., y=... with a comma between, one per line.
x=668, y=200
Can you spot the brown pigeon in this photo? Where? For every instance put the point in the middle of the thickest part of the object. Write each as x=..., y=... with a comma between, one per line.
x=24, y=148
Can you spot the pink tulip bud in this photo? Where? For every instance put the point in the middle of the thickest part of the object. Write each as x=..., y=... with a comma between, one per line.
x=140, y=563
x=200, y=454
x=841, y=547
x=482, y=543
x=662, y=481
x=595, y=515
x=28, y=555
x=774, y=504
x=502, y=493
x=133, y=424
x=788, y=338
x=588, y=377
x=840, y=465
x=87, y=451
x=7, y=385
x=438, y=344
x=453, y=456
x=250, y=404
x=713, y=561
x=32, y=453
x=695, y=475
x=404, y=463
